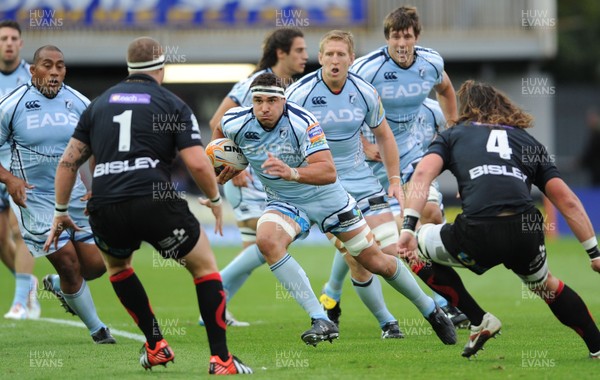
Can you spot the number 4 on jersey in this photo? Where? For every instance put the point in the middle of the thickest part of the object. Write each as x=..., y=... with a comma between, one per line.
x=498, y=143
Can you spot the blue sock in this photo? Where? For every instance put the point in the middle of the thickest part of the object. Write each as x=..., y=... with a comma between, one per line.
x=371, y=295
x=293, y=278
x=339, y=270
x=55, y=282
x=441, y=301
x=83, y=304
x=238, y=270
x=22, y=286
x=404, y=282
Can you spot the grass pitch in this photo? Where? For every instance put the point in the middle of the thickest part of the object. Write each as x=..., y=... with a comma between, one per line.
x=533, y=344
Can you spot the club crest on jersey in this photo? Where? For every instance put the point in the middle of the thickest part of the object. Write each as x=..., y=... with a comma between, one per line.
x=352, y=97
x=422, y=72
x=69, y=104
x=283, y=132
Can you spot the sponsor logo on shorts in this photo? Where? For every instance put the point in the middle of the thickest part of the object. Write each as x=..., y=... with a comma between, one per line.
x=350, y=217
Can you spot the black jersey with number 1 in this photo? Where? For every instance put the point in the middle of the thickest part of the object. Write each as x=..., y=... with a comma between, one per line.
x=135, y=129
x=495, y=166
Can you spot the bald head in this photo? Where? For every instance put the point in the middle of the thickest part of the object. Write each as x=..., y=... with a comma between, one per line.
x=143, y=49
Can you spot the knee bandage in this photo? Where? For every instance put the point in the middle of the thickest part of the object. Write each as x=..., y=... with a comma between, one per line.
x=337, y=243
x=386, y=234
x=277, y=219
x=431, y=246
x=359, y=242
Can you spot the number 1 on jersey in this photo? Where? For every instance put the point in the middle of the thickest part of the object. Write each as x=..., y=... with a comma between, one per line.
x=124, y=121
x=498, y=143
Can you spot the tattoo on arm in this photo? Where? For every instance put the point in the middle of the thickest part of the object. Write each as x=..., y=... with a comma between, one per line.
x=75, y=155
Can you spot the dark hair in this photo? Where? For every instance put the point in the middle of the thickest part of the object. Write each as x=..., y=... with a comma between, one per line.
x=36, y=55
x=10, y=24
x=402, y=19
x=266, y=79
x=281, y=39
x=481, y=102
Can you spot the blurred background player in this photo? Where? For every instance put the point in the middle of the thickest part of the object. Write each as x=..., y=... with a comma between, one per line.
x=285, y=144
x=14, y=72
x=284, y=54
x=123, y=212
x=38, y=119
x=395, y=70
x=485, y=152
x=346, y=102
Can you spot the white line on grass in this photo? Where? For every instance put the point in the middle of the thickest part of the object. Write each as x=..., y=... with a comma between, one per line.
x=124, y=334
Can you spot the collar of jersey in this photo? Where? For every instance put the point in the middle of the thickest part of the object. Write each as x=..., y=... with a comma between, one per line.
x=145, y=77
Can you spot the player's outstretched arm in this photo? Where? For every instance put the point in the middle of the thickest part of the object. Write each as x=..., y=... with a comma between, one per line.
x=569, y=205
x=416, y=196
x=447, y=99
x=203, y=173
x=75, y=155
x=391, y=158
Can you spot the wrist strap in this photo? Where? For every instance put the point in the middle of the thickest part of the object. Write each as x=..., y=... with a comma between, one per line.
x=61, y=207
x=410, y=223
x=216, y=201
x=60, y=213
x=295, y=175
x=591, y=247
x=412, y=212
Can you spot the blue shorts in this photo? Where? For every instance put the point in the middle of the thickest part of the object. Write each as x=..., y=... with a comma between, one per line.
x=35, y=221
x=362, y=185
x=247, y=202
x=333, y=215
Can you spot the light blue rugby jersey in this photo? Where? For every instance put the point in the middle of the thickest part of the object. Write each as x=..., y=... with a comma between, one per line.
x=434, y=121
x=296, y=136
x=39, y=129
x=340, y=115
x=9, y=82
x=241, y=94
x=402, y=92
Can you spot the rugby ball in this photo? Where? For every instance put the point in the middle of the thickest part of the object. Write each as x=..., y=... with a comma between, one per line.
x=224, y=152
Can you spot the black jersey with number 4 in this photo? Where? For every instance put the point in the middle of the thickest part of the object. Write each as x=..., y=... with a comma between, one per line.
x=494, y=165
x=134, y=130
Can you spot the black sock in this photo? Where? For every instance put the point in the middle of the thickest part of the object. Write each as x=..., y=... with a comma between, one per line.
x=571, y=311
x=211, y=300
x=132, y=295
x=446, y=282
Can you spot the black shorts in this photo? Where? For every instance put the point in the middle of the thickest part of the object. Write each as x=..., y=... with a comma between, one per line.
x=516, y=241
x=169, y=226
